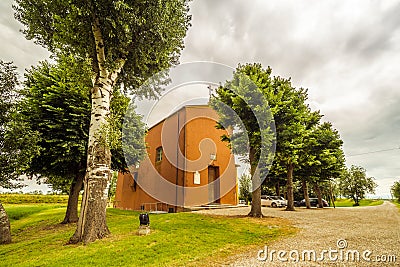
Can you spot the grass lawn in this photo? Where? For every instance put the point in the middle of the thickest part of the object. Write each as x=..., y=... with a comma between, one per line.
x=177, y=239
x=363, y=202
x=397, y=204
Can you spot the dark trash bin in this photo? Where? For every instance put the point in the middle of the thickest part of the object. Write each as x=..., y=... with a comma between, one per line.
x=144, y=219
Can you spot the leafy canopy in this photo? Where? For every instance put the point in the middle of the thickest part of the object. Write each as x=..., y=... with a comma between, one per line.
x=395, y=189
x=147, y=35
x=355, y=184
x=56, y=105
x=243, y=108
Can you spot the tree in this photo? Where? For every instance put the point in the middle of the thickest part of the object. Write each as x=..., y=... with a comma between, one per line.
x=330, y=155
x=8, y=82
x=14, y=142
x=245, y=188
x=355, y=184
x=323, y=158
x=291, y=115
x=308, y=160
x=126, y=43
x=56, y=104
x=395, y=189
x=252, y=123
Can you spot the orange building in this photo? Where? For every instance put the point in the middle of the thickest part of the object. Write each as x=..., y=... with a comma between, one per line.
x=186, y=165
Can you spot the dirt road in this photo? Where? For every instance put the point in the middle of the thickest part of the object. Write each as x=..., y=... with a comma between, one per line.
x=338, y=236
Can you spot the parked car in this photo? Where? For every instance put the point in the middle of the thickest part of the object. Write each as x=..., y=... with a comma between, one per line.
x=273, y=201
x=313, y=202
x=242, y=202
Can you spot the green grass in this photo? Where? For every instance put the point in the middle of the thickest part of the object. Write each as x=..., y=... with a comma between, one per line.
x=363, y=202
x=397, y=203
x=20, y=211
x=178, y=239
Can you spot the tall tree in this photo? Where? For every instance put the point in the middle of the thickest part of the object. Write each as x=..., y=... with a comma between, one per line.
x=308, y=160
x=395, y=190
x=56, y=104
x=355, y=184
x=290, y=114
x=329, y=154
x=252, y=121
x=8, y=82
x=14, y=142
x=323, y=158
x=126, y=42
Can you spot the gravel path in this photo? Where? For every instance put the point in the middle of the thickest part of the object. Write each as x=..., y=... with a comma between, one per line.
x=375, y=228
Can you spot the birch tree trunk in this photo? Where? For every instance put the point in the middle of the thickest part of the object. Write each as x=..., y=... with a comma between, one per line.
x=92, y=220
x=289, y=188
x=92, y=223
x=5, y=232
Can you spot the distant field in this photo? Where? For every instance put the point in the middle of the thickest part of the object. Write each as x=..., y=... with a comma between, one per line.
x=177, y=239
x=363, y=202
x=28, y=198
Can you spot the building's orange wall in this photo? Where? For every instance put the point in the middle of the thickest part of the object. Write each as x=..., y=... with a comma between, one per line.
x=194, y=133
x=197, y=133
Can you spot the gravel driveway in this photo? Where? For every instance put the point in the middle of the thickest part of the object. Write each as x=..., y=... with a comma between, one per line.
x=376, y=229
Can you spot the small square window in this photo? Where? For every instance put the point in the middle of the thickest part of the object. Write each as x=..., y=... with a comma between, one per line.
x=159, y=154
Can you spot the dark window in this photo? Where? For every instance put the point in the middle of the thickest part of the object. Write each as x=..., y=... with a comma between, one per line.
x=159, y=154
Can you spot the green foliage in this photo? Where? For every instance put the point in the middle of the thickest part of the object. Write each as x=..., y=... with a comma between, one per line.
x=205, y=239
x=8, y=90
x=245, y=188
x=395, y=190
x=242, y=106
x=15, y=141
x=113, y=186
x=355, y=184
x=146, y=35
x=56, y=105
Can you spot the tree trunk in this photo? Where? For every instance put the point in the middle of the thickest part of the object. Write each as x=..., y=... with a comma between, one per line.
x=289, y=188
x=5, y=230
x=319, y=195
x=357, y=201
x=71, y=215
x=92, y=220
x=331, y=195
x=256, y=188
x=278, y=189
x=305, y=193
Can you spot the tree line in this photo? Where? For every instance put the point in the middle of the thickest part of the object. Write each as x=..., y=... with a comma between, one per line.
x=307, y=150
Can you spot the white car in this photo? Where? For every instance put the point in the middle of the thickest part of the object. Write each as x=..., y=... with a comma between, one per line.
x=273, y=201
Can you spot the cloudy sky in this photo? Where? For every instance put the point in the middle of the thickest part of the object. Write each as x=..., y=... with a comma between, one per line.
x=346, y=52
